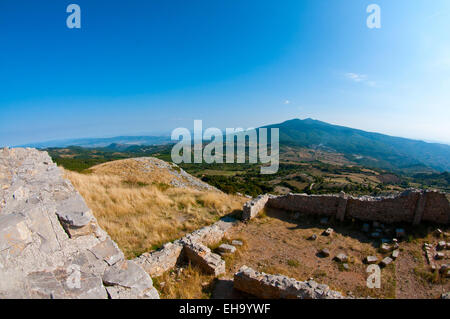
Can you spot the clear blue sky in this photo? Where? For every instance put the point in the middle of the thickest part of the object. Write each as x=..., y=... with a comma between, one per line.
x=150, y=66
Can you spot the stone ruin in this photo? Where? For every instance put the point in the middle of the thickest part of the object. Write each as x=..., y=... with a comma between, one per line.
x=411, y=206
x=51, y=245
x=267, y=286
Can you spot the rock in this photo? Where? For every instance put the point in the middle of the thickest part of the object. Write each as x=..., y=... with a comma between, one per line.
x=226, y=249
x=342, y=258
x=202, y=256
x=58, y=284
x=386, y=261
x=445, y=295
x=108, y=251
x=73, y=212
x=313, y=237
x=371, y=260
x=128, y=280
x=395, y=254
x=328, y=232
x=51, y=245
x=385, y=248
x=237, y=243
x=324, y=252
x=268, y=286
x=346, y=266
x=441, y=245
x=439, y=256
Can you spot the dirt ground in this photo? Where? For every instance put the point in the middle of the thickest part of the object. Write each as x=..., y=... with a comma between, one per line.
x=276, y=243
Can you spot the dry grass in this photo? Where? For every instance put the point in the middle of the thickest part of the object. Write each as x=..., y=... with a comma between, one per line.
x=141, y=214
x=188, y=282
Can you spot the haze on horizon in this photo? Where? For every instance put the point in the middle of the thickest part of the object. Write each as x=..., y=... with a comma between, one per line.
x=139, y=68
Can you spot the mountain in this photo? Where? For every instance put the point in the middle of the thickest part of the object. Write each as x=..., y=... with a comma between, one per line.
x=365, y=148
x=119, y=141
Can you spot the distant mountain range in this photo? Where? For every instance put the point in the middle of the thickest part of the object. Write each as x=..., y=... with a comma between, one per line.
x=103, y=142
x=364, y=148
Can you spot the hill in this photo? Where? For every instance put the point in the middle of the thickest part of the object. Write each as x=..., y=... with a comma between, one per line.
x=365, y=148
x=145, y=202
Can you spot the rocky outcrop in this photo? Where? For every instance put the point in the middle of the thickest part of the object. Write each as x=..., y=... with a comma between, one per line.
x=51, y=245
x=411, y=206
x=267, y=286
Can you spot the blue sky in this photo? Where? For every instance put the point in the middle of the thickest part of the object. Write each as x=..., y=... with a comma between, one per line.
x=146, y=67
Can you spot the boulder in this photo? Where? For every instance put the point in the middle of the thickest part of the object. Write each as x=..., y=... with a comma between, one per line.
x=371, y=260
x=385, y=248
x=395, y=254
x=226, y=249
x=342, y=258
x=127, y=280
x=439, y=256
x=386, y=261
x=237, y=243
x=324, y=252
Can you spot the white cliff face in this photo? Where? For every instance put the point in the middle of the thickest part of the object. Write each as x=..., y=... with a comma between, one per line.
x=51, y=245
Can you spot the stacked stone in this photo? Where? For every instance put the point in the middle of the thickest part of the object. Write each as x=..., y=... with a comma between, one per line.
x=268, y=286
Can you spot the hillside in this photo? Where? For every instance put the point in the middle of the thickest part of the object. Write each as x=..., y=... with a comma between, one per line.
x=145, y=202
x=365, y=148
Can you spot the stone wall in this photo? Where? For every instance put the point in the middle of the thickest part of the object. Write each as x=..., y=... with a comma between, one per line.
x=411, y=206
x=193, y=247
x=51, y=245
x=268, y=286
x=254, y=206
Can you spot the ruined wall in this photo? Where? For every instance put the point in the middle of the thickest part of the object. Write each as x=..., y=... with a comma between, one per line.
x=268, y=286
x=411, y=206
x=254, y=206
x=51, y=245
x=193, y=246
x=308, y=204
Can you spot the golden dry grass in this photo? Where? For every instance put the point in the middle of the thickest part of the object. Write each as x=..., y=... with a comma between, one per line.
x=188, y=282
x=141, y=214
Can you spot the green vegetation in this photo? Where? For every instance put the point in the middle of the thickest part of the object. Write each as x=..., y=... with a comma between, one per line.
x=313, y=176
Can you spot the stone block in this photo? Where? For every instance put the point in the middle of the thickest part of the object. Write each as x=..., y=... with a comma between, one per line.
x=203, y=257
x=386, y=261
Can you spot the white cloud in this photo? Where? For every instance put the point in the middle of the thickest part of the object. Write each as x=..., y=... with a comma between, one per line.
x=360, y=78
x=287, y=102
x=356, y=77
